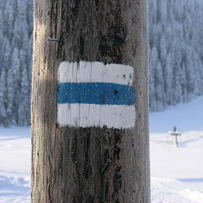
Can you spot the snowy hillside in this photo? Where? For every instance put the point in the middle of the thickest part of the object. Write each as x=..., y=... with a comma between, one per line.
x=176, y=173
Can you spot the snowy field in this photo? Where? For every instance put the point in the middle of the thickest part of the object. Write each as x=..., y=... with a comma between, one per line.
x=15, y=165
x=176, y=172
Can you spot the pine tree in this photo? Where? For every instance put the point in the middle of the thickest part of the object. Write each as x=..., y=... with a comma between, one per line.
x=159, y=85
x=9, y=17
x=153, y=57
x=169, y=81
x=183, y=83
x=3, y=119
x=10, y=97
x=15, y=65
x=24, y=106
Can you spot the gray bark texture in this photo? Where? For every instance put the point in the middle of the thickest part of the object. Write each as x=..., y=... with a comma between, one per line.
x=88, y=165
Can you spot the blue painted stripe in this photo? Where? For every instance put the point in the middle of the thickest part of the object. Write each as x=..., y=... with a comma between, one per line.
x=95, y=93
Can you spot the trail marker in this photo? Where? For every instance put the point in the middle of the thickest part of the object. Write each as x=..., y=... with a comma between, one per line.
x=93, y=94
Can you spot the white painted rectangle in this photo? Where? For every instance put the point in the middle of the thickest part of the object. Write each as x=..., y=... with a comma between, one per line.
x=89, y=115
x=95, y=72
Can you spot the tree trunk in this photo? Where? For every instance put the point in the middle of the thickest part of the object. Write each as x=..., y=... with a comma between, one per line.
x=88, y=163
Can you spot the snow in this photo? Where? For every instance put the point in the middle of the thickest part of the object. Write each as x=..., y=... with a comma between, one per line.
x=15, y=165
x=176, y=172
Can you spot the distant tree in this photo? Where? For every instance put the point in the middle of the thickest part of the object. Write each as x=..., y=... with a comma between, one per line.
x=9, y=16
x=15, y=66
x=24, y=105
x=153, y=60
x=7, y=51
x=10, y=93
x=169, y=81
x=176, y=66
x=3, y=118
x=159, y=86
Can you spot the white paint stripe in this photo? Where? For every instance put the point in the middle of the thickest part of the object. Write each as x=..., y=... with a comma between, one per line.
x=95, y=72
x=89, y=115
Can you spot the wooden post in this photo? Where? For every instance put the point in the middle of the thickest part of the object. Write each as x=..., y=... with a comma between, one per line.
x=176, y=134
x=94, y=156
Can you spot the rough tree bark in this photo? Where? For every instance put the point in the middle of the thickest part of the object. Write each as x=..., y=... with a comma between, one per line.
x=92, y=164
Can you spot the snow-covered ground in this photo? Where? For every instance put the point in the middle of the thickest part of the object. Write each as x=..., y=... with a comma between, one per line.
x=176, y=172
x=15, y=165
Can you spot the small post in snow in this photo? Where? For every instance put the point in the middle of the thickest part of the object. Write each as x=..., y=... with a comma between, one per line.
x=176, y=134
